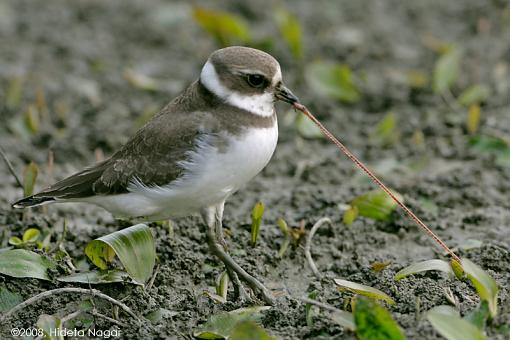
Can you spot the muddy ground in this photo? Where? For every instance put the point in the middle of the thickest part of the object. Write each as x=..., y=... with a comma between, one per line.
x=76, y=54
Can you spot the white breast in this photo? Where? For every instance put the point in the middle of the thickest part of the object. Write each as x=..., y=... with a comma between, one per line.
x=211, y=175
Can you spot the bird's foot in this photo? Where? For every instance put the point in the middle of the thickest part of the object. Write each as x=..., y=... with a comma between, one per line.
x=238, y=274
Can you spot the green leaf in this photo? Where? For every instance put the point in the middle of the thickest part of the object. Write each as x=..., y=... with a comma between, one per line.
x=49, y=324
x=249, y=330
x=226, y=28
x=379, y=266
x=492, y=145
x=15, y=241
x=350, y=215
x=24, y=263
x=333, y=80
x=447, y=69
x=425, y=266
x=222, y=285
x=360, y=289
x=134, y=246
x=31, y=119
x=8, y=299
x=473, y=118
x=386, y=130
x=376, y=205
x=256, y=220
x=31, y=235
x=479, y=315
x=283, y=226
x=485, y=285
x=13, y=93
x=29, y=178
x=97, y=277
x=457, y=268
x=375, y=322
x=221, y=326
x=290, y=29
x=309, y=311
x=285, y=231
x=451, y=326
x=474, y=94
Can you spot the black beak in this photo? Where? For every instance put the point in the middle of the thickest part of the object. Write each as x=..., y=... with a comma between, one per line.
x=282, y=93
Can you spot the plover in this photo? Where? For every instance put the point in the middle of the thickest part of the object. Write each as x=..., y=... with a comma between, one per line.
x=191, y=156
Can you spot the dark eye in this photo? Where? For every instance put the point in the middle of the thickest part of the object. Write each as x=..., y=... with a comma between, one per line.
x=256, y=80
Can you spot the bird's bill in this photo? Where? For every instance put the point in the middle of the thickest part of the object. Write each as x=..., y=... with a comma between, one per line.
x=284, y=94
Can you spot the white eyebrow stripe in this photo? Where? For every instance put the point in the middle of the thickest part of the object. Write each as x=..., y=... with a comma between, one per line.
x=260, y=104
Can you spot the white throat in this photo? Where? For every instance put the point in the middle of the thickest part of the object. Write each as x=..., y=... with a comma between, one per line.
x=259, y=104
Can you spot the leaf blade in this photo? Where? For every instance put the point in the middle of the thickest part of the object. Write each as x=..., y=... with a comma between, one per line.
x=134, y=247
x=24, y=263
x=375, y=322
x=424, y=266
x=364, y=290
x=452, y=327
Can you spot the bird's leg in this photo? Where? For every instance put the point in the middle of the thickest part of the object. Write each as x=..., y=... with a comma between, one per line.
x=213, y=219
x=218, y=224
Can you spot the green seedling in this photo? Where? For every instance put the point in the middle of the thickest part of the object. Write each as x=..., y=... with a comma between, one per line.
x=479, y=315
x=375, y=322
x=359, y=289
x=134, y=247
x=29, y=239
x=256, y=220
x=333, y=80
x=290, y=29
x=485, y=285
x=286, y=236
x=249, y=330
x=350, y=215
x=224, y=27
x=379, y=266
x=308, y=309
x=492, y=145
x=29, y=178
x=375, y=204
x=447, y=322
x=386, y=132
x=447, y=70
x=221, y=326
x=14, y=93
x=474, y=94
x=32, y=120
x=473, y=118
x=222, y=282
x=428, y=265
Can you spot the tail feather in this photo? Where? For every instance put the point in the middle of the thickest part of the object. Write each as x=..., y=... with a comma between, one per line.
x=32, y=201
x=78, y=185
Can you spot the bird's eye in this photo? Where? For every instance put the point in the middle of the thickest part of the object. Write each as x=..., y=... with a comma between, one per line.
x=256, y=80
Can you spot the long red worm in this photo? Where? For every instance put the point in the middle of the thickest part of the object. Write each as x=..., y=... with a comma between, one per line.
x=370, y=174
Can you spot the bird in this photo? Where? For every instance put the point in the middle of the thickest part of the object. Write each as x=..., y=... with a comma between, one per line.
x=191, y=156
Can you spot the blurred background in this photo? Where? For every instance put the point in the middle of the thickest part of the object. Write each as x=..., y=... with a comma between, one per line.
x=420, y=90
